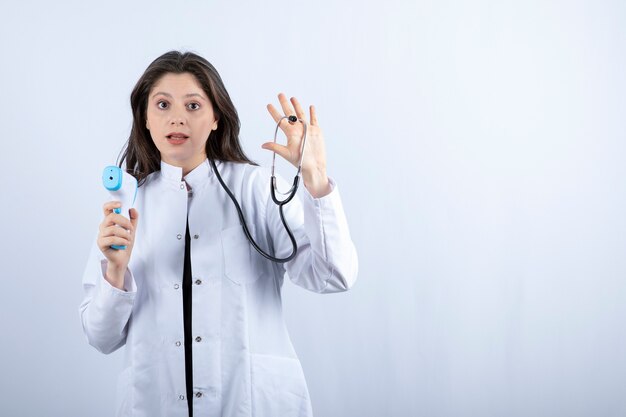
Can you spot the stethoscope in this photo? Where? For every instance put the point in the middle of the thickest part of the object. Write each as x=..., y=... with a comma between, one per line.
x=273, y=190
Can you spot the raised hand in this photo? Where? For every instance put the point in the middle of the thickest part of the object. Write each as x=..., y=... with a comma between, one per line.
x=314, y=160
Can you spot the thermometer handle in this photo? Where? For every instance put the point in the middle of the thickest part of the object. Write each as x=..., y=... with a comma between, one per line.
x=122, y=187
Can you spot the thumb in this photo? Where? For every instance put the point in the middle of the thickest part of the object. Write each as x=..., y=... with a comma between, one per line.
x=134, y=216
x=281, y=150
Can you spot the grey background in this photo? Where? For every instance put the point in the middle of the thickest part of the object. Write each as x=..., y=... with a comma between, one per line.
x=479, y=149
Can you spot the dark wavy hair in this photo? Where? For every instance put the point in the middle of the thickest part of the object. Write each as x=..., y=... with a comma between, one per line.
x=141, y=155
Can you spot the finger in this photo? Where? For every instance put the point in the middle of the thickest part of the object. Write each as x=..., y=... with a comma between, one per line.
x=313, y=115
x=115, y=231
x=116, y=219
x=106, y=242
x=275, y=113
x=109, y=206
x=134, y=217
x=299, y=112
x=108, y=221
x=281, y=150
x=286, y=105
x=118, y=234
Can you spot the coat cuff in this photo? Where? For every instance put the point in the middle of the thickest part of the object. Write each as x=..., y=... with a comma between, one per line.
x=130, y=289
x=325, y=222
x=327, y=199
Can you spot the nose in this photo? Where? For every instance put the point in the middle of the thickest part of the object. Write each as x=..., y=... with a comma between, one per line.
x=178, y=119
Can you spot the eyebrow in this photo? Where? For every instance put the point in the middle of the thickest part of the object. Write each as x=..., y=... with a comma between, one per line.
x=186, y=95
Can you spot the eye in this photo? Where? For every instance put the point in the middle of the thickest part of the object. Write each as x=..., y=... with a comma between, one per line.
x=161, y=102
x=194, y=104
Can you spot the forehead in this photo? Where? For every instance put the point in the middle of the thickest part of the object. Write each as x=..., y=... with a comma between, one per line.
x=177, y=85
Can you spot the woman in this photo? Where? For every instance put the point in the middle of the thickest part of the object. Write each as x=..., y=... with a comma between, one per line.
x=198, y=309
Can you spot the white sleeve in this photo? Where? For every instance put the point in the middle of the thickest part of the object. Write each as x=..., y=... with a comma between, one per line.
x=105, y=310
x=326, y=260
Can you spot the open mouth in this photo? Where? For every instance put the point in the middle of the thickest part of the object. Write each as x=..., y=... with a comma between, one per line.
x=177, y=140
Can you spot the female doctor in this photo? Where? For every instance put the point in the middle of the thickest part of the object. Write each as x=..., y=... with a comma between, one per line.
x=198, y=309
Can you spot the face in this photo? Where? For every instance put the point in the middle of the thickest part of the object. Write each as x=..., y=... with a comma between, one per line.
x=180, y=118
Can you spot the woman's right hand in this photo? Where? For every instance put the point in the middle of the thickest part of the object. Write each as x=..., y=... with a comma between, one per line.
x=111, y=234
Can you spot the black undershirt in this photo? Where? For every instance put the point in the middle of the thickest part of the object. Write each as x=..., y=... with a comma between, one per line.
x=187, y=320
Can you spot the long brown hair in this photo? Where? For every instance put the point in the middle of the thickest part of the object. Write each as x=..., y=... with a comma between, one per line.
x=141, y=155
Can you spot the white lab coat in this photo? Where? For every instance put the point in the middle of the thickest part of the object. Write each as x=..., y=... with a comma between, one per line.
x=243, y=361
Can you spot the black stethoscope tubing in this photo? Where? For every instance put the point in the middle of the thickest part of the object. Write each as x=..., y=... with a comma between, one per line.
x=281, y=203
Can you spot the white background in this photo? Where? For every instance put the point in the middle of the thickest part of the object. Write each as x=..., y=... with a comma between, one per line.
x=479, y=149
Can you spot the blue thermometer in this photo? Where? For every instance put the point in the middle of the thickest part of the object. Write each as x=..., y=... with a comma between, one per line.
x=123, y=188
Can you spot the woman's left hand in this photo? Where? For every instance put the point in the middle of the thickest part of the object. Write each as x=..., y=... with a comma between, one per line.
x=314, y=160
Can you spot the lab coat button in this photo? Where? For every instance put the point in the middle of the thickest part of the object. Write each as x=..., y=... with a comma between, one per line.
x=198, y=339
x=196, y=236
x=198, y=281
x=176, y=286
x=179, y=236
x=198, y=394
x=181, y=397
x=182, y=186
x=178, y=343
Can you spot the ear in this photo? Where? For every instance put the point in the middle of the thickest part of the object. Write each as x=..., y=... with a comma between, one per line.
x=147, y=125
x=214, y=126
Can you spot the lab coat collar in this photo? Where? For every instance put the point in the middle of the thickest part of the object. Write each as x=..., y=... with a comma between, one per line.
x=171, y=172
x=194, y=178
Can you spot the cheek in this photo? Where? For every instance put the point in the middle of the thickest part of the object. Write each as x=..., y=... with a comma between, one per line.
x=205, y=126
x=156, y=143
x=200, y=144
x=152, y=116
x=154, y=130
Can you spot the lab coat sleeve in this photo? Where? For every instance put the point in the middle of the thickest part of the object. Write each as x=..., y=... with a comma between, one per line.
x=105, y=310
x=326, y=261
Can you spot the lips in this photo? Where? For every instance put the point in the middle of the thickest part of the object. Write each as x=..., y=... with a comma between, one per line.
x=176, y=141
x=177, y=138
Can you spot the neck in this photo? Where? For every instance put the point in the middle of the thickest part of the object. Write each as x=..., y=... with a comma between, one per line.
x=187, y=166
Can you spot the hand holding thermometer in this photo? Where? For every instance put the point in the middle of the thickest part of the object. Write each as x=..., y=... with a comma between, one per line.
x=123, y=188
